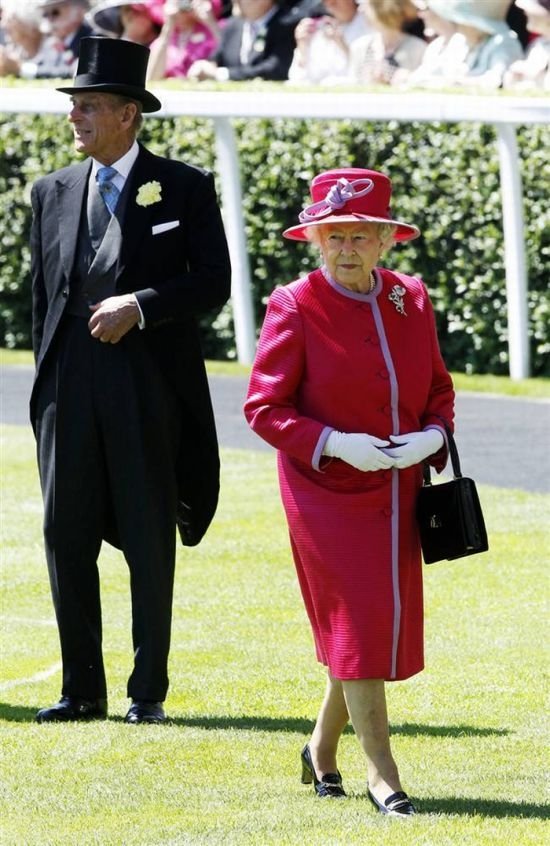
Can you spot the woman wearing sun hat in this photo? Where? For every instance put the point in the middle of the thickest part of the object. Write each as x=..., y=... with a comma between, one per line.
x=484, y=45
x=349, y=386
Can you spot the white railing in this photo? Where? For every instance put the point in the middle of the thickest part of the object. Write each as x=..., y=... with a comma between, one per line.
x=503, y=112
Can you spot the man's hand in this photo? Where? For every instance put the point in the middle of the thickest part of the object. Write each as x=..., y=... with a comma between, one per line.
x=113, y=318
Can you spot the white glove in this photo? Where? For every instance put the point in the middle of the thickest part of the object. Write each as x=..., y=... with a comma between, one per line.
x=361, y=451
x=414, y=447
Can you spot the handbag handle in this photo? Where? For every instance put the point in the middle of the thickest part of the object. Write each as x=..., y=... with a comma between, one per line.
x=455, y=460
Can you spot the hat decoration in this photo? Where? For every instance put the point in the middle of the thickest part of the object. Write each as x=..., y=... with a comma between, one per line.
x=349, y=195
x=336, y=198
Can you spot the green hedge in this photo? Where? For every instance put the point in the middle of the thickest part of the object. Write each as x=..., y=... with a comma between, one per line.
x=446, y=179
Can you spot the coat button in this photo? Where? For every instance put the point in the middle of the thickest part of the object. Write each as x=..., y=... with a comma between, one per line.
x=65, y=292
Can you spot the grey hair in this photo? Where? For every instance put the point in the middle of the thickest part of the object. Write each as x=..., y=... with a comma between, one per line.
x=122, y=100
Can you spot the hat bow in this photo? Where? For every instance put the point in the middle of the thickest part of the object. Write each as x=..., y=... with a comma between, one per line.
x=337, y=196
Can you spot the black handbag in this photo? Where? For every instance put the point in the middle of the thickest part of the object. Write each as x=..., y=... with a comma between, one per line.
x=449, y=515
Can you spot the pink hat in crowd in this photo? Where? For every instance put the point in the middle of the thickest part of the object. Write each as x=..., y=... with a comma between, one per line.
x=350, y=195
x=105, y=17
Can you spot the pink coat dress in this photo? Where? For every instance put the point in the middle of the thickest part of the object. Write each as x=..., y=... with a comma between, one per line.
x=329, y=359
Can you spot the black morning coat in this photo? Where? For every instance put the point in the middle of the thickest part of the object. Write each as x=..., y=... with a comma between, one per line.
x=177, y=275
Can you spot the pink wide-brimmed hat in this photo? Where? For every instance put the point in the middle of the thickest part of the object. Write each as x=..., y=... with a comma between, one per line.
x=350, y=195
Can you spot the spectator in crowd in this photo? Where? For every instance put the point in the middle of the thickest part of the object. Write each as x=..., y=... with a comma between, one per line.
x=438, y=30
x=23, y=38
x=376, y=57
x=534, y=70
x=479, y=52
x=489, y=45
x=256, y=43
x=322, y=44
x=190, y=33
x=140, y=21
x=63, y=25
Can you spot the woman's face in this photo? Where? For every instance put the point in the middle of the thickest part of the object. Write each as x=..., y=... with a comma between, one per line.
x=350, y=252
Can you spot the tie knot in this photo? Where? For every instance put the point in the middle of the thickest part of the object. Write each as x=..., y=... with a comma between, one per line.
x=104, y=175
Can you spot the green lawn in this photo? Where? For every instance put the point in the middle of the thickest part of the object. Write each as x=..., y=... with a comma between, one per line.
x=468, y=732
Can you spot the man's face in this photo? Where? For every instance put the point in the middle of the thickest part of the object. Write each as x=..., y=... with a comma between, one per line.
x=101, y=126
x=62, y=20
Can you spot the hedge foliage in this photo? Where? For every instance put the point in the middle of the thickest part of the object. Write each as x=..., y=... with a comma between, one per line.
x=446, y=179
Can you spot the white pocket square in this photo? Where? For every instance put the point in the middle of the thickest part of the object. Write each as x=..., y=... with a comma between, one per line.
x=164, y=227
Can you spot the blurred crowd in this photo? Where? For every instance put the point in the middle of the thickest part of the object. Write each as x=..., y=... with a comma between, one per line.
x=489, y=44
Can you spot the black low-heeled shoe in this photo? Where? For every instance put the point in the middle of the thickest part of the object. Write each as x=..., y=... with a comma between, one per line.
x=396, y=805
x=330, y=786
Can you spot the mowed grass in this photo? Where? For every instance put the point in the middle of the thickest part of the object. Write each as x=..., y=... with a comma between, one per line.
x=468, y=733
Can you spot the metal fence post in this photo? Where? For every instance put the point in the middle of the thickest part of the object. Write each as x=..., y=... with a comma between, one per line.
x=229, y=170
x=514, y=251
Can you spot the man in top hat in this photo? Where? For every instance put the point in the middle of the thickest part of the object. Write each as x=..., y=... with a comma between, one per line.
x=127, y=250
x=63, y=26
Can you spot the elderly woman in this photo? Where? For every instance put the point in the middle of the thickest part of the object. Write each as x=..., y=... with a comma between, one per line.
x=350, y=387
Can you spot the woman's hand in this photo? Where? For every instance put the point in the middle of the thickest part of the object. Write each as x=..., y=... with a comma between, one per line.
x=414, y=447
x=360, y=450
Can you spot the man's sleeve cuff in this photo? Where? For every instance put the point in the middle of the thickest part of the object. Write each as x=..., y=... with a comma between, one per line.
x=141, y=322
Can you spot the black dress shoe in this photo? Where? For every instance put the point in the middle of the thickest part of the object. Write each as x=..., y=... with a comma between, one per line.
x=396, y=805
x=142, y=711
x=330, y=786
x=73, y=708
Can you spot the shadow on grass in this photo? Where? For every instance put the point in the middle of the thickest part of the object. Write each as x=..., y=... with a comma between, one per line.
x=17, y=713
x=292, y=725
x=300, y=725
x=475, y=807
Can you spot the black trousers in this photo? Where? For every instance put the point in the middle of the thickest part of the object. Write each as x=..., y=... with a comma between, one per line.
x=107, y=440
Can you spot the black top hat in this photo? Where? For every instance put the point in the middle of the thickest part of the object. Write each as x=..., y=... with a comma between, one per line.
x=113, y=66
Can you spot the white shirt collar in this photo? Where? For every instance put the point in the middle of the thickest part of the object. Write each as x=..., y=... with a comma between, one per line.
x=123, y=166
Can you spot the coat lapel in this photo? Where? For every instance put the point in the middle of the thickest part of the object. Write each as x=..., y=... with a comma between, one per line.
x=71, y=190
x=136, y=220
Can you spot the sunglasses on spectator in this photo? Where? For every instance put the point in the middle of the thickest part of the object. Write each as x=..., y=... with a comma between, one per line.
x=51, y=13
